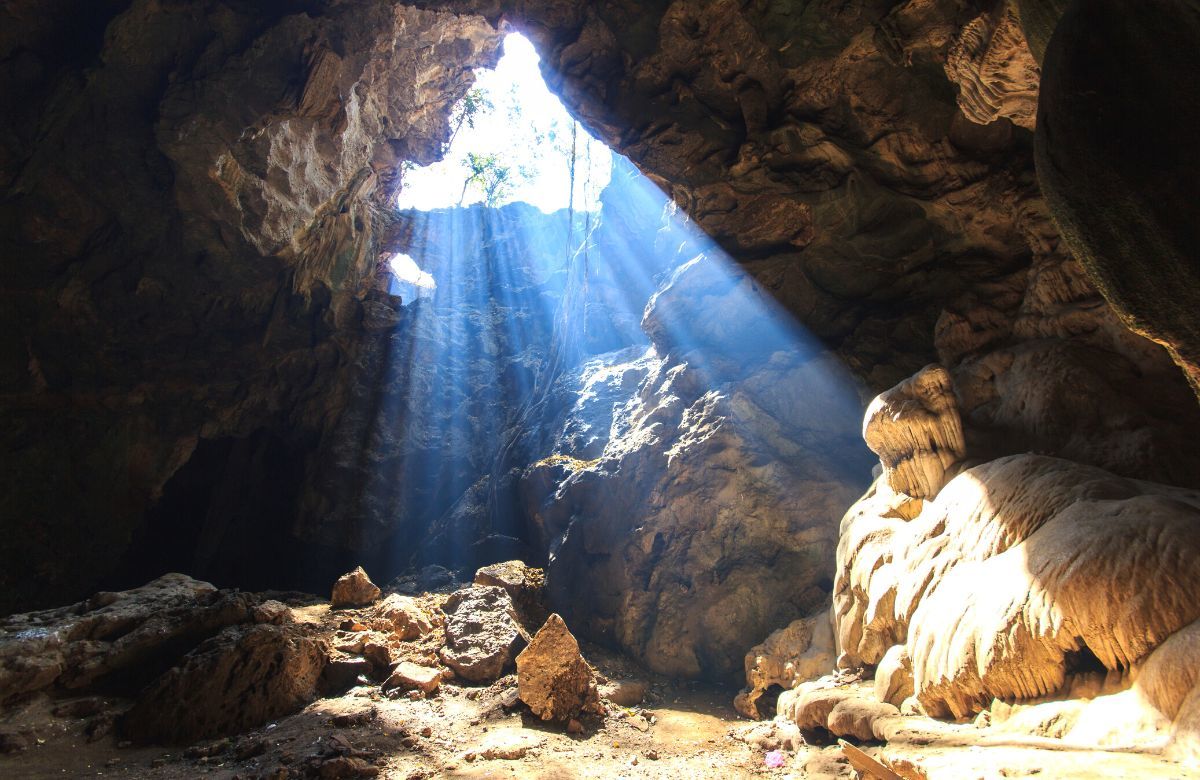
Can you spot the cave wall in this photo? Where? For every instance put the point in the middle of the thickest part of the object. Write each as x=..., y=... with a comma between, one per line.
x=192, y=196
x=195, y=206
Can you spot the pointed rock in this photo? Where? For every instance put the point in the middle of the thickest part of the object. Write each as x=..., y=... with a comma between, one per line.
x=354, y=590
x=553, y=678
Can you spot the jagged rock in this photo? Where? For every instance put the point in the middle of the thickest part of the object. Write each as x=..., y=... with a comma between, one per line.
x=801, y=651
x=482, y=633
x=996, y=73
x=135, y=633
x=234, y=681
x=354, y=589
x=405, y=616
x=916, y=431
x=553, y=678
x=410, y=676
x=271, y=611
x=525, y=584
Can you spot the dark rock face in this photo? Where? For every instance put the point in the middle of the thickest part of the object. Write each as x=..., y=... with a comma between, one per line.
x=196, y=661
x=239, y=679
x=121, y=639
x=189, y=203
x=1124, y=187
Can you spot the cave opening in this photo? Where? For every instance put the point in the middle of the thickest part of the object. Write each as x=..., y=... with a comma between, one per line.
x=564, y=318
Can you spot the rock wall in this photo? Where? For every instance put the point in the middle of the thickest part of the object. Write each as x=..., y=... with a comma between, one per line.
x=190, y=197
x=195, y=201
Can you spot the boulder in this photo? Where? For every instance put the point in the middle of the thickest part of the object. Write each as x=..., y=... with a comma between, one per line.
x=482, y=633
x=354, y=589
x=407, y=618
x=525, y=584
x=801, y=651
x=553, y=678
x=239, y=679
x=135, y=633
x=624, y=693
x=844, y=710
x=409, y=676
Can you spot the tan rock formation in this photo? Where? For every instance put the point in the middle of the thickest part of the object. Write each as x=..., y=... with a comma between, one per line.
x=354, y=589
x=552, y=676
x=994, y=69
x=915, y=430
x=405, y=616
x=801, y=651
x=1019, y=568
x=409, y=676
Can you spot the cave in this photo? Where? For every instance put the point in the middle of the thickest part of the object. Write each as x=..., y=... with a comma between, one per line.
x=692, y=388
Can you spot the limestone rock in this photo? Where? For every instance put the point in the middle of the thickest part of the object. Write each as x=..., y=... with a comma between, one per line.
x=407, y=618
x=483, y=636
x=844, y=710
x=553, y=678
x=1053, y=559
x=1108, y=67
x=994, y=68
x=916, y=431
x=801, y=651
x=410, y=676
x=235, y=681
x=525, y=584
x=135, y=633
x=354, y=589
x=894, y=676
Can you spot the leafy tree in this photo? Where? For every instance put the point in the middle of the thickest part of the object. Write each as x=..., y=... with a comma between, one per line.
x=493, y=179
x=473, y=105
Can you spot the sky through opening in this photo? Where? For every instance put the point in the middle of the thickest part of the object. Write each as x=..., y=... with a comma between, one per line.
x=510, y=121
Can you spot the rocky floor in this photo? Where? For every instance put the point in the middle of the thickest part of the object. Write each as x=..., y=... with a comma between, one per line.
x=373, y=727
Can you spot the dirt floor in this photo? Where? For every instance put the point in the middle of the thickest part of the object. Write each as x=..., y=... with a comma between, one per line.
x=465, y=731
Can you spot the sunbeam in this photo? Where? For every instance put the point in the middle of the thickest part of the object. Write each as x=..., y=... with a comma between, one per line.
x=518, y=318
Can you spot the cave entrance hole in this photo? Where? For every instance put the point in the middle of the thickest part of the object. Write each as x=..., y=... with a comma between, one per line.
x=554, y=295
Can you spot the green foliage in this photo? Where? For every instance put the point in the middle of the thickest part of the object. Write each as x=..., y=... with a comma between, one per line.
x=473, y=105
x=493, y=179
